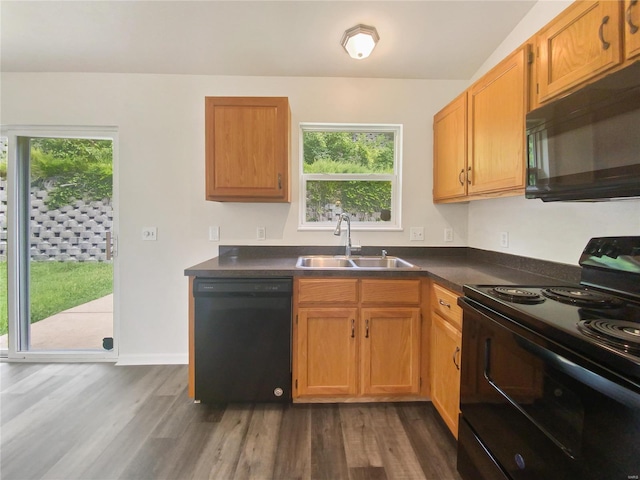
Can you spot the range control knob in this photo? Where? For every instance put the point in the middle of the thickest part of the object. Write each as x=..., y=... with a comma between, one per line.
x=278, y=392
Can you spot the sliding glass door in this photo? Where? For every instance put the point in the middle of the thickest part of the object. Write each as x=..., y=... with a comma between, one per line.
x=60, y=243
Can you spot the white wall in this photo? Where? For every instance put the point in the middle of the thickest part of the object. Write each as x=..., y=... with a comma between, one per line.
x=160, y=119
x=552, y=231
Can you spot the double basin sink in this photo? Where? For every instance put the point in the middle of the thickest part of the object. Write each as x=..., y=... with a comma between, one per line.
x=332, y=262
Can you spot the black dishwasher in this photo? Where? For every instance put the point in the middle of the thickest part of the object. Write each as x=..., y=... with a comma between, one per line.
x=242, y=339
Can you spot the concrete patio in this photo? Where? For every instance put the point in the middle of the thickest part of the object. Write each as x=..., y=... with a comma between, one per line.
x=79, y=328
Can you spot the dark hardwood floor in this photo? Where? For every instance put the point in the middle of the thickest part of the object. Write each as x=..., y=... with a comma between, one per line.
x=99, y=421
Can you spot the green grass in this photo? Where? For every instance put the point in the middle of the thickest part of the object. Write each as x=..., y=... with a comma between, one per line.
x=58, y=286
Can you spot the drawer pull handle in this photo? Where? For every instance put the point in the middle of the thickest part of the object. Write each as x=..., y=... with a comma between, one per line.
x=353, y=328
x=455, y=354
x=443, y=303
x=632, y=28
x=605, y=44
x=366, y=328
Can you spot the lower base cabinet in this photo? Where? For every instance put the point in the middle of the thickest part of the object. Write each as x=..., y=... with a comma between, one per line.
x=368, y=347
x=326, y=351
x=446, y=344
x=390, y=351
x=445, y=371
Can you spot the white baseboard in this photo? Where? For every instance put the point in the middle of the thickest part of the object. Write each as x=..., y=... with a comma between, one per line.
x=159, y=359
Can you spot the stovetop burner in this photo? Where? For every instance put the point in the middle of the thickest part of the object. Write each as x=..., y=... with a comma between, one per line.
x=517, y=295
x=581, y=297
x=619, y=333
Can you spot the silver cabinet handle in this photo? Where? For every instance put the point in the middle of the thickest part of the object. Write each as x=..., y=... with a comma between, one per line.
x=443, y=303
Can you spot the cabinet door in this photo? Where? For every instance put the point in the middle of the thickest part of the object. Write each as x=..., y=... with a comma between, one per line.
x=390, y=345
x=247, y=149
x=450, y=150
x=632, y=28
x=445, y=370
x=327, y=351
x=497, y=108
x=581, y=42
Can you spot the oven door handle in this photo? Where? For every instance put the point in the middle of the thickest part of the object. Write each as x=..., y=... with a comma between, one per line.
x=516, y=405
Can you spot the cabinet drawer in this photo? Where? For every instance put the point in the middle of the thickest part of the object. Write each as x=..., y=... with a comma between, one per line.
x=405, y=292
x=445, y=302
x=327, y=290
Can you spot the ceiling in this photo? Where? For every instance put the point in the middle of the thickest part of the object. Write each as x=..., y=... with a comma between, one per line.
x=418, y=39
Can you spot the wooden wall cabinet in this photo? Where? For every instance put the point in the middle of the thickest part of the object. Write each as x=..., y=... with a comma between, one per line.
x=497, y=109
x=493, y=113
x=446, y=344
x=581, y=42
x=450, y=151
x=247, y=149
x=631, y=29
x=356, y=339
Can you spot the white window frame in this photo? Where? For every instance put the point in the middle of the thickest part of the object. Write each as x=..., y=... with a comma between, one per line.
x=395, y=224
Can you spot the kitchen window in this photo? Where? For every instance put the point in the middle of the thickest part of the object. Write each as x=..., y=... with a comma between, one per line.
x=353, y=169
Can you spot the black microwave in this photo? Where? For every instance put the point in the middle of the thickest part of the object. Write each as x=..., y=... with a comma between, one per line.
x=586, y=146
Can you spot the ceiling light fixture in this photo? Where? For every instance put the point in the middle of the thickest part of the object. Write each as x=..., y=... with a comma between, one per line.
x=359, y=41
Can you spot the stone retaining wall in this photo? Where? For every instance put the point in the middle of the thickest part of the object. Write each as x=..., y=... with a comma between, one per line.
x=75, y=232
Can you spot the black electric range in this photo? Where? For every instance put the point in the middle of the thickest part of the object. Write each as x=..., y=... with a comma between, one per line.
x=551, y=374
x=604, y=328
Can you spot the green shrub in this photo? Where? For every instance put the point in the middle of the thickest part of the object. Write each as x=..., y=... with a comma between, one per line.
x=72, y=169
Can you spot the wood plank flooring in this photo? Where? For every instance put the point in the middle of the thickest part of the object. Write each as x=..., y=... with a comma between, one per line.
x=99, y=421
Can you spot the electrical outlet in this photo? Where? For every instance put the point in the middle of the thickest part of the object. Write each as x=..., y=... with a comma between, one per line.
x=448, y=234
x=416, y=234
x=261, y=233
x=150, y=233
x=504, y=239
x=214, y=234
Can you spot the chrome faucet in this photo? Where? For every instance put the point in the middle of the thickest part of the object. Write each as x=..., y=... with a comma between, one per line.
x=345, y=216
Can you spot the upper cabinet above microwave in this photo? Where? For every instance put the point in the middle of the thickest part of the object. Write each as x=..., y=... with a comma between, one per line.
x=632, y=28
x=247, y=148
x=584, y=41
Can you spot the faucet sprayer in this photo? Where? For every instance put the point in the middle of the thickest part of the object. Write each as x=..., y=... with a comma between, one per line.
x=337, y=231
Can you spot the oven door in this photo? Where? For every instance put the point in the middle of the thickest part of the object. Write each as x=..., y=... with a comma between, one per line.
x=537, y=411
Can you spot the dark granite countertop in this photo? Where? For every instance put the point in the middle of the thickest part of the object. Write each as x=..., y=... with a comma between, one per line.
x=452, y=267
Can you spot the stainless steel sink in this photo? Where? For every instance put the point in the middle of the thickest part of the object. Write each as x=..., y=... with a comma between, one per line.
x=382, y=262
x=329, y=262
x=322, y=261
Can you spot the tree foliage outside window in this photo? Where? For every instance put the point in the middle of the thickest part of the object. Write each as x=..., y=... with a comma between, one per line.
x=3, y=157
x=72, y=169
x=350, y=169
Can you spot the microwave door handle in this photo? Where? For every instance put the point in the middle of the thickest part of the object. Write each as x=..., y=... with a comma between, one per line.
x=516, y=405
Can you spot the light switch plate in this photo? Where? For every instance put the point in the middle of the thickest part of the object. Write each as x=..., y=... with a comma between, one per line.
x=416, y=233
x=261, y=233
x=150, y=234
x=214, y=233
